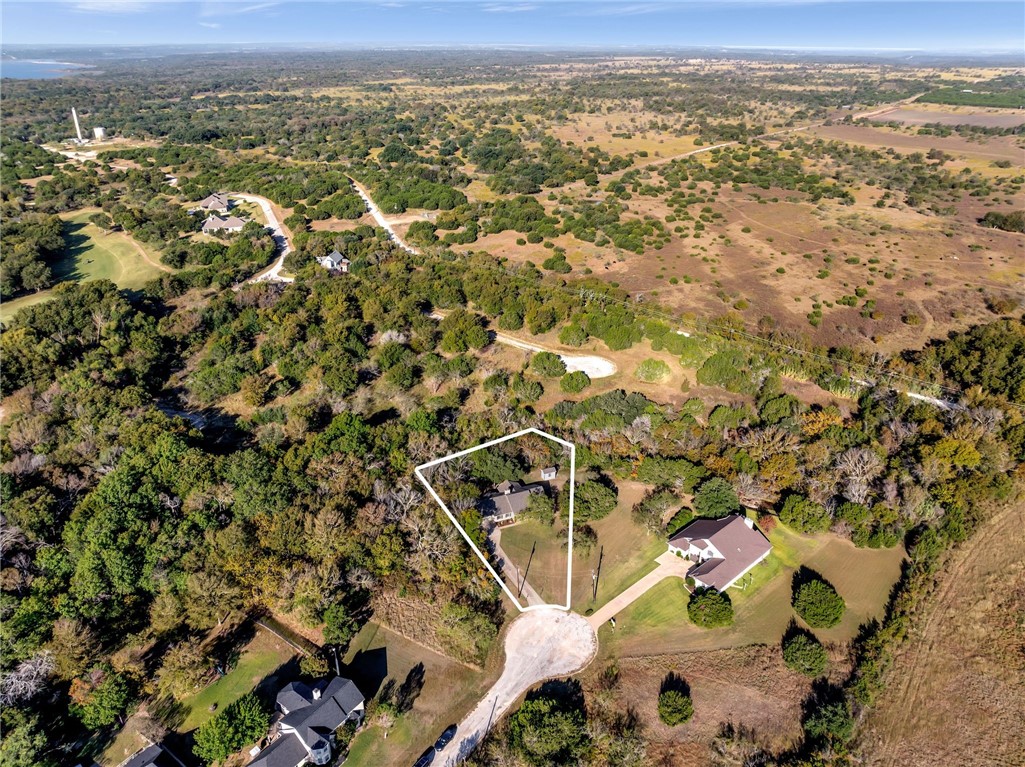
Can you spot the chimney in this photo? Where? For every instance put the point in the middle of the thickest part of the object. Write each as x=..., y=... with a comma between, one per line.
x=316, y=693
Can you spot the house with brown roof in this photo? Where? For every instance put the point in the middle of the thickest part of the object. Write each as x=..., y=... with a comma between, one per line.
x=723, y=550
x=511, y=498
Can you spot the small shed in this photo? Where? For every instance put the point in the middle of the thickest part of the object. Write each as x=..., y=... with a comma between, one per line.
x=549, y=472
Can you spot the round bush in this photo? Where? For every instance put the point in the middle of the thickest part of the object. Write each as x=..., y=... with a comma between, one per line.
x=574, y=382
x=674, y=707
x=548, y=365
x=710, y=609
x=805, y=654
x=652, y=371
x=818, y=604
x=803, y=515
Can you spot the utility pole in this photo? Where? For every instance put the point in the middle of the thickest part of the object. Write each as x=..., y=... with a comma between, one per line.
x=527, y=570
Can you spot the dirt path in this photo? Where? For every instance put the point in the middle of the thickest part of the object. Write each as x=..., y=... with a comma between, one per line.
x=669, y=566
x=959, y=683
x=540, y=645
x=593, y=365
x=148, y=260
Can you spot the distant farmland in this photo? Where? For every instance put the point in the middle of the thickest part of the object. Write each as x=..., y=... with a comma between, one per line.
x=923, y=117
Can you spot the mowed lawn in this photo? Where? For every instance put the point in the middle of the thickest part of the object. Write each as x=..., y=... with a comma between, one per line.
x=92, y=254
x=260, y=658
x=449, y=691
x=545, y=571
x=624, y=552
x=657, y=622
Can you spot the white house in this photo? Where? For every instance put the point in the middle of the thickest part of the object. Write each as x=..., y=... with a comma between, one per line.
x=334, y=260
x=549, y=472
x=510, y=499
x=218, y=202
x=723, y=549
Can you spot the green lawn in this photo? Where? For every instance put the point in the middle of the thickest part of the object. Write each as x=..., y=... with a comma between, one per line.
x=449, y=691
x=658, y=620
x=260, y=658
x=92, y=254
x=547, y=570
x=626, y=552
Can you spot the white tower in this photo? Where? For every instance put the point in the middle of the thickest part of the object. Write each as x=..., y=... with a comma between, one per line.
x=78, y=128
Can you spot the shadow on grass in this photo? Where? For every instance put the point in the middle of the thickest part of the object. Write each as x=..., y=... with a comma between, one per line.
x=76, y=243
x=673, y=682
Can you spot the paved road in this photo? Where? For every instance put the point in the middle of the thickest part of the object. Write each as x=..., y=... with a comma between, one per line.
x=669, y=566
x=540, y=645
x=382, y=222
x=273, y=273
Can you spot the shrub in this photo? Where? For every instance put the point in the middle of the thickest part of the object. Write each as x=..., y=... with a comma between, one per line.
x=548, y=365
x=803, y=515
x=573, y=335
x=716, y=498
x=592, y=500
x=709, y=609
x=574, y=382
x=829, y=721
x=240, y=723
x=674, y=707
x=818, y=603
x=803, y=653
x=652, y=370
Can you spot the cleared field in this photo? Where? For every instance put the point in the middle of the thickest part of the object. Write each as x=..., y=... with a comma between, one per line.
x=991, y=148
x=985, y=118
x=657, y=622
x=956, y=690
x=446, y=691
x=92, y=254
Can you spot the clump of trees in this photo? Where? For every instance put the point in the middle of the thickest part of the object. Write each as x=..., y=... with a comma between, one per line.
x=240, y=723
x=803, y=653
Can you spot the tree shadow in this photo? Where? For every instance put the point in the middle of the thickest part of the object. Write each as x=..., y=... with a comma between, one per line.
x=226, y=647
x=410, y=689
x=368, y=670
x=804, y=575
x=76, y=244
x=168, y=711
x=673, y=682
x=793, y=630
x=567, y=692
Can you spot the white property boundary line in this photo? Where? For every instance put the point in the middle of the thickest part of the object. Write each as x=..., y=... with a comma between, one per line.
x=480, y=555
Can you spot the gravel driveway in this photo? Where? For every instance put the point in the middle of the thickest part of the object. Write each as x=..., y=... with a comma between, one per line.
x=540, y=645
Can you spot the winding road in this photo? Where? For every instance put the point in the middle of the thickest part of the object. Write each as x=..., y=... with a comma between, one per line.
x=272, y=273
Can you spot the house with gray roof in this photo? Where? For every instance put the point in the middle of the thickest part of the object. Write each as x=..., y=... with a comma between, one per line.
x=310, y=715
x=218, y=202
x=218, y=224
x=723, y=550
x=334, y=260
x=152, y=756
x=510, y=499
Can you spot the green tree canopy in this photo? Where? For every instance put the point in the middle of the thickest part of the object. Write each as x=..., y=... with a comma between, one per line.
x=817, y=602
x=709, y=608
x=546, y=732
x=716, y=498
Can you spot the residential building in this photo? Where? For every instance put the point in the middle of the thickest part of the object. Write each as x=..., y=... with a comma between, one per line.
x=310, y=715
x=218, y=202
x=510, y=499
x=218, y=224
x=151, y=756
x=334, y=260
x=723, y=549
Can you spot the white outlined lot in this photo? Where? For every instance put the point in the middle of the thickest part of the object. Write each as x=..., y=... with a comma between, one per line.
x=483, y=558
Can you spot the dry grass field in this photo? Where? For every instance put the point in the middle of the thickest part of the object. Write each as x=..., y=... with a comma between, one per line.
x=956, y=690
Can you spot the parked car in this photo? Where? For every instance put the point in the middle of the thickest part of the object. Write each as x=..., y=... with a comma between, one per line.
x=446, y=737
x=426, y=758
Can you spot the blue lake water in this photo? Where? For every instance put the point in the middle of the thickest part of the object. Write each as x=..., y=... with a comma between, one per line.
x=38, y=70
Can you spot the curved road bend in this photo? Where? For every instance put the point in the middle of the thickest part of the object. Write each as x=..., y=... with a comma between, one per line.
x=273, y=273
x=541, y=644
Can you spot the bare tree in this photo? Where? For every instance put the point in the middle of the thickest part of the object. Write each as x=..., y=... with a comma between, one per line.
x=27, y=679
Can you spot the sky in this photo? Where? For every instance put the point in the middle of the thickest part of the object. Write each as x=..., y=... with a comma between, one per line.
x=926, y=25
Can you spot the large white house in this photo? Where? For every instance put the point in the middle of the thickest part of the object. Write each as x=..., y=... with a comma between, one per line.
x=723, y=549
